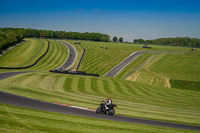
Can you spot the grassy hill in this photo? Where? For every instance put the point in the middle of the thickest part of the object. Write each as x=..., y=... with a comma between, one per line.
x=176, y=70
x=133, y=99
x=100, y=60
x=55, y=57
x=149, y=96
x=24, y=54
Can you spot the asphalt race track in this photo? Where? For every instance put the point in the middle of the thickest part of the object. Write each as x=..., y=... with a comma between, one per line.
x=71, y=58
x=9, y=74
x=115, y=70
x=21, y=101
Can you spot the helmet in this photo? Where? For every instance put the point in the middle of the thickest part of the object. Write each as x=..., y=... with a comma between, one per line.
x=107, y=100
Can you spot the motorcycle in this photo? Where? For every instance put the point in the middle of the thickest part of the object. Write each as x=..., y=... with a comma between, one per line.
x=102, y=109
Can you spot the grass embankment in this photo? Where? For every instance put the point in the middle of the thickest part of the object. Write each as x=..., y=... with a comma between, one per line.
x=55, y=57
x=25, y=54
x=174, y=70
x=100, y=60
x=15, y=119
x=133, y=99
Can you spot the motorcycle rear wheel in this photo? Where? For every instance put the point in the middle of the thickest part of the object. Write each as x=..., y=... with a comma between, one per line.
x=98, y=110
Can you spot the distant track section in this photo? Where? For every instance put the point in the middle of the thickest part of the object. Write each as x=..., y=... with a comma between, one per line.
x=71, y=57
x=149, y=60
x=10, y=74
x=31, y=64
x=115, y=70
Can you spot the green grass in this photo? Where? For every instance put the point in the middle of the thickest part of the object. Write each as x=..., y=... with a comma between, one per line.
x=133, y=99
x=144, y=98
x=186, y=85
x=178, y=66
x=99, y=60
x=171, y=70
x=24, y=54
x=55, y=57
x=16, y=119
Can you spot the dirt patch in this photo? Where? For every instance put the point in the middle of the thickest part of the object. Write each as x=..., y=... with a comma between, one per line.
x=134, y=76
x=168, y=83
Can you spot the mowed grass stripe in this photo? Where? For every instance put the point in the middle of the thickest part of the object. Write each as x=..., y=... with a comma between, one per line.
x=94, y=85
x=24, y=54
x=179, y=66
x=28, y=120
x=59, y=84
x=68, y=83
x=100, y=84
x=74, y=86
x=105, y=86
x=147, y=90
x=119, y=88
x=99, y=60
x=88, y=86
x=55, y=57
x=81, y=84
x=139, y=103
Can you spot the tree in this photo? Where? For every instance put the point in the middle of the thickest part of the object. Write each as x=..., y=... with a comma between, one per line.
x=103, y=39
x=11, y=37
x=42, y=33
x=140, y=41
x=148, y=41
x=135, y=40
x=120, y=39
x=114, y=39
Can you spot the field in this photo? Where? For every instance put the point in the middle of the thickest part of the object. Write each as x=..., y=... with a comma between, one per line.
x=133, y=99
x=100, y=60
x=24, y=54
x=175, y=70
x=55, y=57
x=153, y=92
x=34, y=121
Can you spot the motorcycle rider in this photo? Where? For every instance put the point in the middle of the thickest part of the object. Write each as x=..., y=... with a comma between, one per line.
x=108, y=103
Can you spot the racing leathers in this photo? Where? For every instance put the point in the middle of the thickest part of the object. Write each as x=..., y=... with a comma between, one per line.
x=108, y=103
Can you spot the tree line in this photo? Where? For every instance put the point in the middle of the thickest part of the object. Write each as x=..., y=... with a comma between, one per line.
x=178, y=41
x=10, y=36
